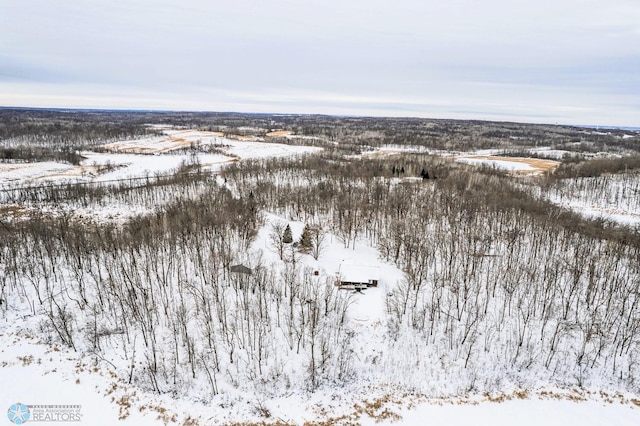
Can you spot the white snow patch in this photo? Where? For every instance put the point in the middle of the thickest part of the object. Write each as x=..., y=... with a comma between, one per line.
x=613, y=197
x=368, y=307
x=30, y=172
x=498, y=164
x=528, y=412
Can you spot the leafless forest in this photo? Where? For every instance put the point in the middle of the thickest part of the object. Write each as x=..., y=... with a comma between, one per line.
x=501, y=289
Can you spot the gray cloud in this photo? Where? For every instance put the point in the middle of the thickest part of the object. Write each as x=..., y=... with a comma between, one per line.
x=570, y=61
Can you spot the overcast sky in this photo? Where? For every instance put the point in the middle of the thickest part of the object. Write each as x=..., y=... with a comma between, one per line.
x=551, y=61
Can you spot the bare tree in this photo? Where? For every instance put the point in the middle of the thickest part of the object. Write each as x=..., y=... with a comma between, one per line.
x=276, y=238
x=318, y=241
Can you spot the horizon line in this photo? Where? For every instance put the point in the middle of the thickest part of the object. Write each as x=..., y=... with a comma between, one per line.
x=301, y=114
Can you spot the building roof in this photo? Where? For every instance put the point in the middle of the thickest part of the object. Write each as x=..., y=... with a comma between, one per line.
x=358, y=273
x=240, y=269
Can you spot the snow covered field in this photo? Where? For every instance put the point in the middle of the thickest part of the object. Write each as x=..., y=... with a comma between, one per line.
x=498, y=164
x=147, y=157
x=136, y=166
x=517, y=165
x=486, y=157
x=17, y=173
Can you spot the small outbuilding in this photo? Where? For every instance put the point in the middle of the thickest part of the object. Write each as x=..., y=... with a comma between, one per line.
x=240, y=269
x=358, y=276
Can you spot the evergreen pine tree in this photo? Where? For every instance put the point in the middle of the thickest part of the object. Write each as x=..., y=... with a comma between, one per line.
x=305, y=240
x=287, y=238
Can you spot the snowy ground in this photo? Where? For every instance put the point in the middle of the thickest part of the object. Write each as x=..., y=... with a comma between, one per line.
x=547, y=152
x=368, y=306
x=498, y=164
x=517, y=165
x=146, y=157
x=390, y=150
x=529, y=412
x=16, y=173
x=610, y=213
x=615, y=197
x=36, y=373
x=131, y=159
x=487, y=157
x=136, y=165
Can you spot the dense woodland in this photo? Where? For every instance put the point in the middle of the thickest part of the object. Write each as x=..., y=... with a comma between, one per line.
x=501, y=288
x=81, y=129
